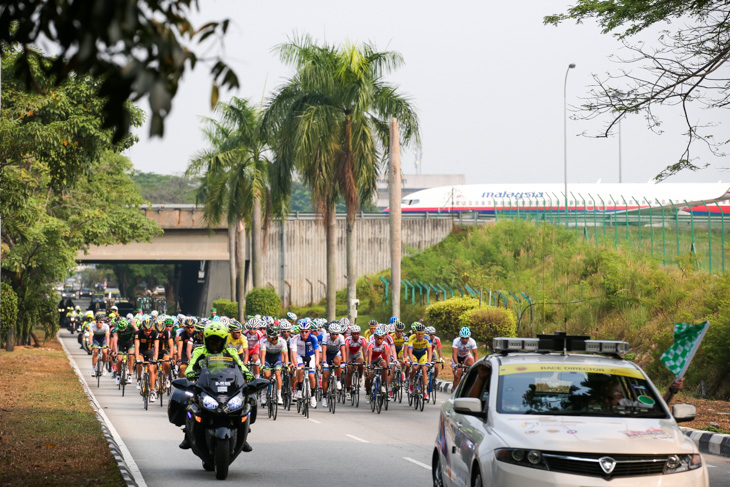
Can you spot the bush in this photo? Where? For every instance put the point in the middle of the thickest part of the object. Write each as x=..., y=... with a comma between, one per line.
x=444, y=315
x=263, y=301
x=488, y=322
x=226, y=308
x=9, y=311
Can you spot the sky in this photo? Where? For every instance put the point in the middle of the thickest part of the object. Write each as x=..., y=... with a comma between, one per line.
x=487, y=80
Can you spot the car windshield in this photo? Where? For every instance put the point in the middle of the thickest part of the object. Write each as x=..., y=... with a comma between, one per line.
x=576, y=390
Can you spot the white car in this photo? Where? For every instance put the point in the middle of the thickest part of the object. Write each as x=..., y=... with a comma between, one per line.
x=561, y=410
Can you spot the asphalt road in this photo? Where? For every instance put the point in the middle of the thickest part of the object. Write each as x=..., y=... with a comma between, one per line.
x=353, y=444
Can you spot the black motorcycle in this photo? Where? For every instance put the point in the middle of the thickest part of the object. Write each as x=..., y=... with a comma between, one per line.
x=216, y=411
x=73, y=324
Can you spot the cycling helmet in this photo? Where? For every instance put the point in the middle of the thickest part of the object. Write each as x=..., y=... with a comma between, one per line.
x=225, y=320
x=418, y=326
x=189, y=321
x=393, y=319
x=400, y=326
x=204, y=321
x=354, y=329
x=159, y=326
x=234, y=325
x=249, y=324
x=345, y=322
x=465, y=332
x=291, y=316
x=272, y=331
x=129, y=316
x=112, y=315
x=305, y=325
x=146, y=323
x=90, y=314
x=78, y=308
x=391, y=328
x=430, y=330
x=379, y=331
x=373, y=323
x=335, y=328
x=154, y=313
x=169, y=320
x=200, y=327
x=113, y=308
x=122, y=324
x=284, y=325
x=315, y=326
x=295, y=329
x=215, y=335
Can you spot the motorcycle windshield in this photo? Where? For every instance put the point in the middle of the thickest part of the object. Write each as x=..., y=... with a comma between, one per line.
x=220, y=375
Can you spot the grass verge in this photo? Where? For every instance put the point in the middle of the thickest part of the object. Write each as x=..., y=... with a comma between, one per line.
x=48, y=429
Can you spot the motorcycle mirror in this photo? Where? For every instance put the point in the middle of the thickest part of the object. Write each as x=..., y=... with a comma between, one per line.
x=255, y=386
x=182, y=384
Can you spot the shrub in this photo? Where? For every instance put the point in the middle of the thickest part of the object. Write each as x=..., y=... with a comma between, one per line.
x=488, y=322
x=444, y=315
x=263, y=301
x=9, y=310
x=226, y=308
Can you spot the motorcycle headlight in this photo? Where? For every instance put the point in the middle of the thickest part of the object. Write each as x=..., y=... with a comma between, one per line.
x=682, y=463
x=209, y=402
x=236, y=402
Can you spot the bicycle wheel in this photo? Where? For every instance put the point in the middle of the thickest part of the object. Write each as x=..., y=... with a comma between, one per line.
x=410, y=392
x=123, y=378
x=380, y=399
x=356, y=387
x=145, y=390
x=275, y=407
x=306, y=395
x=98, y=371
x=160, y=386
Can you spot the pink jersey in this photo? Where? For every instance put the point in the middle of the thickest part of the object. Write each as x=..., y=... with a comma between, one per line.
x=378, y=352
x=355, y=346
x=253, y=337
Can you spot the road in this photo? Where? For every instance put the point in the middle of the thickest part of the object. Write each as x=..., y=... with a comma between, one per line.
x=325, y=449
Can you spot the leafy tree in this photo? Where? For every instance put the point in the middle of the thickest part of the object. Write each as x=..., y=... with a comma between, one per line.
x=686, y=67
x=136, y=48
x=165, y=188
x=263, y=301
x=331, y=123
x=63, y=187
x=235, y=172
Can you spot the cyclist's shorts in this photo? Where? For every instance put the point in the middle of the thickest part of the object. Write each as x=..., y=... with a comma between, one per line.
x=99, y=341
x=127, y=347
x=379, y=362
x=275, y=365
x=356, y=356
x=306, y=360
x=147, y=355
x=331, y=358
x=422, y=358
x=255, y=350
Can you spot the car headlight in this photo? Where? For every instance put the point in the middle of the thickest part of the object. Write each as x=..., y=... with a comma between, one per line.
x=682, y=463
x=236, y=402
x=209, y=402
x=524, y=458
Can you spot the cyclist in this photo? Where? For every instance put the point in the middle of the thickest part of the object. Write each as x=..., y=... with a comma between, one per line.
x=146, y=345
x=464, y=352
x=253, y=335
x=99, y=339
x=368, y=334
x=419, y=353
x=305, y=350
x=355, y=345
x=274, y=351
x=438, y=357
x=333, y=351
x=379, y=355
x=124, y=343
x=185, y=335
x=85, y=324
x=237, y=340
x=165, y=336
x=215, y=335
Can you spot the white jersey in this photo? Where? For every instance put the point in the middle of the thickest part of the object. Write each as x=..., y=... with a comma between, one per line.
x=273, y=348
x=464, y=349
x=333, y=346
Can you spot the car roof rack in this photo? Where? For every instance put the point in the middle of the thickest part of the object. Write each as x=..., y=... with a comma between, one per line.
x=559, y=342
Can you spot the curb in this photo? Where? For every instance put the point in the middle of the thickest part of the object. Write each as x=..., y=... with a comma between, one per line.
x=127, y=466
x=712, y=443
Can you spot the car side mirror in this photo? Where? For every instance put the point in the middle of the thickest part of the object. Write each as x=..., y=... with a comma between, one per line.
x=469, y=405
x=683, y=412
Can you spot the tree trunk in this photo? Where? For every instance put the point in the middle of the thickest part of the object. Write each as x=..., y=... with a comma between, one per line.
x=331, y=228
x=10, y=342
x=394, y=193
x=256, y=243
x=241, y=257
x=351, y=272
x=232, y=258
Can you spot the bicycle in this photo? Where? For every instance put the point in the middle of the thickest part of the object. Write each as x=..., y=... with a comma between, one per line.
x=431, y=383
x=463, y=368
x=354, y=385
x=99, y=364
x=332, y=392
x=342, y=393
x=271, y=400
x=303, y=402
x=124, y=373
x=160, y=381
x=396, y=384
x=286, y=396
x=419, y=393
x=377, y=397
x=145, y=389
x=318, y=384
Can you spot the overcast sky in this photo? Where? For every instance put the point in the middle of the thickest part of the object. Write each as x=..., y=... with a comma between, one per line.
x=486, y=78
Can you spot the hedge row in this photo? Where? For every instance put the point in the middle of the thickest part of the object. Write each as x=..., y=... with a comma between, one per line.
x=485, y=322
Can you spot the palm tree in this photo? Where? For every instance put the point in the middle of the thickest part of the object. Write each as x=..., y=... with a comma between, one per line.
x=331, y=124
x=235, y=173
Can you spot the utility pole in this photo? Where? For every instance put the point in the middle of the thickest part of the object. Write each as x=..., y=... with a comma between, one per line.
x=394, y=194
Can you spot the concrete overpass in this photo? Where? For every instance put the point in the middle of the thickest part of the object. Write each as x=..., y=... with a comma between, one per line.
x=294, y=257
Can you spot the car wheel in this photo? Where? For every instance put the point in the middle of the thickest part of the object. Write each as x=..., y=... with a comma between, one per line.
x=436, y=474
x=477, y=482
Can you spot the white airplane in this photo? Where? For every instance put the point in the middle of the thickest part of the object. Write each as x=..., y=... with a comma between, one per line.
x=699, y=198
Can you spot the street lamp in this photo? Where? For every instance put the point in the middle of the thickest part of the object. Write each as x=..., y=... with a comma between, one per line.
x=565, y=138
x=618, y=95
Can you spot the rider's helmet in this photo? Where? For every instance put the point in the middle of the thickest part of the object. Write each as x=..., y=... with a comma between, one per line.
x=314, y=326
x=234, y=326
x=189, y=321
x=295, y=329
x=129, y=316
x=215, y=335
x=78, y=308
x=146, y=323
x=430, y=330
x=122, y=324
x=154, y=313
x=345, y=322
x=379, y=331
x=113, y=308
x=419, y=327
x=159, y=326
x=373, y=323
x=465, y=332
x=335, y=328
x=354, y=329
x=225, y=320
x=284, y=325
x=90, y=315
x=291, y=316
x=200, y=326
x=304, y=324
x=393, y=319
x=400, y=326
x=251, y=324
x=390, y=328
x=272, y=331
x=112, y=315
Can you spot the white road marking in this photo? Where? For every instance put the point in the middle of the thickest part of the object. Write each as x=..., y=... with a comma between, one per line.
x=417, y=463
x=358, y=439
x=711, y=466
x=315, y=421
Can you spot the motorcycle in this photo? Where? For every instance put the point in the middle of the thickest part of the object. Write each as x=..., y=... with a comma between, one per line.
x=216, y=410
x=73, y=324
x=84, y=339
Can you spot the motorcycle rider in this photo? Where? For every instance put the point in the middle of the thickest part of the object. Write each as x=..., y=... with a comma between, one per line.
x=215, y=336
